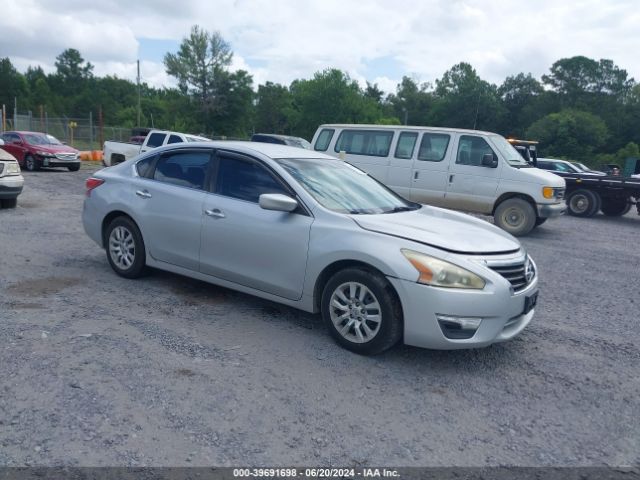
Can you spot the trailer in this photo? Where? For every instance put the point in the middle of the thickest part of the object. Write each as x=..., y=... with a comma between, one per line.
x=613, y=195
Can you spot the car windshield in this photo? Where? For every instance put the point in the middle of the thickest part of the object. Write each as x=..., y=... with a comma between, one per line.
x=509, y=153
x=41, y=139
x=341, y=187
x=580, y=166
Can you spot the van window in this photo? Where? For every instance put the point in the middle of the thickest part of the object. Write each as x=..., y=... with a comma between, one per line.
x=374, y=143
x=433, y=147
x=322, y=143
x=406, y=144
x=471, y=149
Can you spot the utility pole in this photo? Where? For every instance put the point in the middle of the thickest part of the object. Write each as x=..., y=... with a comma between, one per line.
x=138, y=81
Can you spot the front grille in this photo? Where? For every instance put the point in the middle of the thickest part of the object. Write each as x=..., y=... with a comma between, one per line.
x=516, y=274
x=559, y=193
x=66, y=156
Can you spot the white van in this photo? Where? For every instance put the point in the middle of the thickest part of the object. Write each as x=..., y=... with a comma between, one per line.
x=462, y=169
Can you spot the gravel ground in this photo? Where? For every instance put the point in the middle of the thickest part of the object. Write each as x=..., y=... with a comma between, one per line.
x=97, y=370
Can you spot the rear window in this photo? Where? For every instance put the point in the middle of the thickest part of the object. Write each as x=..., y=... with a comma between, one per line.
x=156, y=140
x=174, y=139
x=374, y=143
x=322, y=143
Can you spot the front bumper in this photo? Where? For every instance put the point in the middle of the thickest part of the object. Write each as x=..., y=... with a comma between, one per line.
x=57, y=162
x=500, y=309
x=11, y=186
x=551, y=210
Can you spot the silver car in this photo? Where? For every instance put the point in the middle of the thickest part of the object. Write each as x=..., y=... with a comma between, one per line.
x=307, y=230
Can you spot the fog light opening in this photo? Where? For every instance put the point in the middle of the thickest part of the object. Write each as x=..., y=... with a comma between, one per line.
x=458, y=328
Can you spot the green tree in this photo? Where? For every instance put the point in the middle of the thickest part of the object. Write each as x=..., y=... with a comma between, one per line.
x=12, y=84
x=571, y=134
x=464, y=100
x=273, y=108
x=234, y=113
x=521, y=96
x=412, y=102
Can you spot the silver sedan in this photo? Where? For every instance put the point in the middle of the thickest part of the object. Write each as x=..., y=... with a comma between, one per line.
x=307, y=230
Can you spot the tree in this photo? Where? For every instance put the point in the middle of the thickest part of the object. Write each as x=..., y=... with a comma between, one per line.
x=571, y=134
x=412, y=102
x=521, y=95
x=12, y=83
x=234, y=113
x=273, y=108
x=71, y=67
x=464, y=100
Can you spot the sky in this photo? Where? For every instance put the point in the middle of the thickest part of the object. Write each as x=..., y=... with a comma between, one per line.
x=379, y=41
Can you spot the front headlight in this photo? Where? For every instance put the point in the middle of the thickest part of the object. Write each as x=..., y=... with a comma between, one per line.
x=439, y=273
x=44, y=154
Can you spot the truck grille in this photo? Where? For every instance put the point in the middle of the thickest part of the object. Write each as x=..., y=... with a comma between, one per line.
x=516, y=274
x=66, y=156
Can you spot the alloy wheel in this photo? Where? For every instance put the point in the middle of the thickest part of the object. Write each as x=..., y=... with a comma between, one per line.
x=355, y=312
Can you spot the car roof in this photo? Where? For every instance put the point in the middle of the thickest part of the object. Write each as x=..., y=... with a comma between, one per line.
x=403, y=127
x=272, y=150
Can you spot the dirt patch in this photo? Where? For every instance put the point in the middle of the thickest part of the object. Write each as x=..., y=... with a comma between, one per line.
x=42, y=287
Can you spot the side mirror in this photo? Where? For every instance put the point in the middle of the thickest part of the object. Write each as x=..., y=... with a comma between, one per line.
x=489, y=160
x=277, y=202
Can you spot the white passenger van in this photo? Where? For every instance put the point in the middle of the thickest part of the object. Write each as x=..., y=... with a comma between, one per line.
x=466, y=170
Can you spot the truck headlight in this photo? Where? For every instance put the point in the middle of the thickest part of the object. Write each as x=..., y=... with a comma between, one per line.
x=547, y=192
x=438, y=273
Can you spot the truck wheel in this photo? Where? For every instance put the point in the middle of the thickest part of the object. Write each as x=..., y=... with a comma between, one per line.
x=31, y=163
x=516, y=216
x=540, y=221
x=583, y=203
x=615, y=207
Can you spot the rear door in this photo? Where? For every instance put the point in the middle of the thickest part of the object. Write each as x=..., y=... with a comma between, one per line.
x=471, y=186
x=168, y=203
x=431, y=169
x=245, y=244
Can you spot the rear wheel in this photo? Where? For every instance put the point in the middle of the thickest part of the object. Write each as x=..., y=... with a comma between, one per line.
x=31, y=163
x=362, y=311
x=615, y=207
x=125, y=248
x=583, y=203
x=516, y=216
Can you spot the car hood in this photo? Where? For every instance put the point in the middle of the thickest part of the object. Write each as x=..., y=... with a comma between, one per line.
x=55, y=148
x=443, y=229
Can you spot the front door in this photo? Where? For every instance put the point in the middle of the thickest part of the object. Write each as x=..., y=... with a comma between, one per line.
x=471, y=186
x=245, y=244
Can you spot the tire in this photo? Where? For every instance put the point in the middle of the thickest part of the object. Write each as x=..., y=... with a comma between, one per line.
x=31, y=163
x=583, y=203
x=516, y=216
x=74, y=168
x=344, y=301
x=615, y=207
x=540, y=221
x=10, y=203
x=123, y=235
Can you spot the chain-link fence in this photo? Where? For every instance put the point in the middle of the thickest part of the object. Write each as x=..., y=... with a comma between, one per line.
x=81, y=133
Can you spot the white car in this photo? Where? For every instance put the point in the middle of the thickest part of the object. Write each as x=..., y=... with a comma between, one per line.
x=11, y=180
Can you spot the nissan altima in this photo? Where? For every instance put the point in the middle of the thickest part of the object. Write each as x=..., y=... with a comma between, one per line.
x=311, y=231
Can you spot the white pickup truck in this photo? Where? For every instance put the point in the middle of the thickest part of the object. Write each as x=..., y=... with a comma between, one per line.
x=117, y=152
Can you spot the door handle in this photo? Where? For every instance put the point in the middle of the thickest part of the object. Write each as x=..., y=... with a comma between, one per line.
x=215, y=213
x=415, y=175
x=451, y=178
x=143, y=194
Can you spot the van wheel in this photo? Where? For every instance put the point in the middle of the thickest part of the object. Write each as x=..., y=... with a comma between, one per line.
x=516, y=216
x=540, y=221
x=362, y=311
x=583, y=203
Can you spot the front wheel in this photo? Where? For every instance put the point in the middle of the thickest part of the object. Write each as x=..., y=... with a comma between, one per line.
x=362, y=311
x=125, y=248
x=516, y=216
x=31, y=163
x=74, y=168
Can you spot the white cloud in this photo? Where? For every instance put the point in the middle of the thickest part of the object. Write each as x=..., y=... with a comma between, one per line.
x=280, y=40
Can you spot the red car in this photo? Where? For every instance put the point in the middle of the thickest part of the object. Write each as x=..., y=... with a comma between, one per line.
x=35, y=149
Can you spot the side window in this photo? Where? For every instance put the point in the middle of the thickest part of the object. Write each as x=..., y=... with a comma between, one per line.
x=144, y=166
x=186, y=169
x=156, y=140
x=375, y=143
x=406, y=144
x=433, y=147
x=174, y=139
x=322, y=143
x=245, y=180
x=471, y=149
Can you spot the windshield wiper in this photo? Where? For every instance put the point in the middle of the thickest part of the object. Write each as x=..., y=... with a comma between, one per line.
x=400, y=209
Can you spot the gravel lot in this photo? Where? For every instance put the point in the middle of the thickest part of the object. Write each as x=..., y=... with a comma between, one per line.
x=167, y=371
